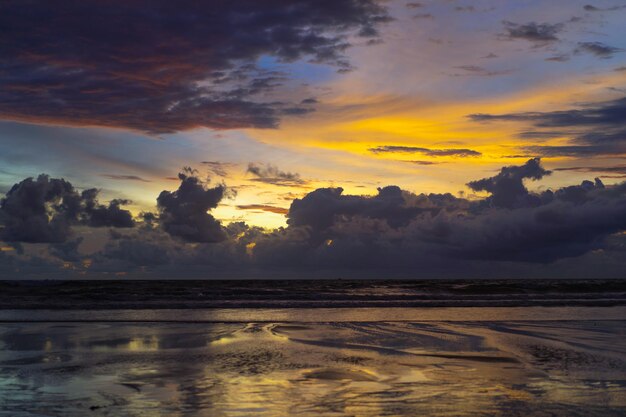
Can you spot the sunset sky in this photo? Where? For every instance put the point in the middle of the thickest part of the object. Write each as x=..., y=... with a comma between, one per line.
x=269, y=101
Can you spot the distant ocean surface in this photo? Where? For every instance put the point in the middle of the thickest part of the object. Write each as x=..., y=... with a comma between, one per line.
x=182, y=294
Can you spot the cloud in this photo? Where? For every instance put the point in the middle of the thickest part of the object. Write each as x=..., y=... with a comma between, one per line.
x=184, y=213
x=592, y=114
x=616, y=169
x=160, y=67
x=426, y=151
x=537, y=33
x=44, y=209
x=321, y=208
x=538, y=134
x=479, y=71
x=263, y=207
x=396, y=228
x=558, y=58
x=423, y=162
x=393, y=230
x=507, y=188
x=423, y=16
x=598, y=49
x=270, y=174
x=574, y=150
x=98, y=215
x=594, y=128
x=592, y=8
x=124, y=177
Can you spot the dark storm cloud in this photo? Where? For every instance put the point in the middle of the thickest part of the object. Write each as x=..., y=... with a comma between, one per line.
x=322, y=207
x=25, y=211
x=537, y=33
x=568, y=222
x=393, y=230
x=270, y=174
x=399, y=229
x=184, y=213
x=355, y=231
x=425, y=151
x=598, y=49
x=44, y=209
x=162, y=67
x=593, y=128
x=507, y=188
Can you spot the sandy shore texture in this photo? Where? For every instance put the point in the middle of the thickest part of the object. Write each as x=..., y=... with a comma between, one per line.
x=325, y=368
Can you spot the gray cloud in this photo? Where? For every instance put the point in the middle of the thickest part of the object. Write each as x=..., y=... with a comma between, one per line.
x=263, y=207
x=425, y=151
x=423, y=162
x=124, y=177
x=574, y=150
x=474, y=70
x=616, y=169
x=594, y=128
x=592, y=8
x=537, y=33
x=558, y=58
x=270, y=174
x=598, y=49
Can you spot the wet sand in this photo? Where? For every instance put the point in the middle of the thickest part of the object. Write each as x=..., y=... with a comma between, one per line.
x=317, y=367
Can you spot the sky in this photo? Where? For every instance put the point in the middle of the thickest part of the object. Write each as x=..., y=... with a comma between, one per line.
x=344, y=138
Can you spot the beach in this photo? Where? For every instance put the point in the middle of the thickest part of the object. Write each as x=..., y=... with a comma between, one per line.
x=520, y=361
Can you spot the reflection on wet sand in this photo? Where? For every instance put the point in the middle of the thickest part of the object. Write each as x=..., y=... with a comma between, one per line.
x=323, y=369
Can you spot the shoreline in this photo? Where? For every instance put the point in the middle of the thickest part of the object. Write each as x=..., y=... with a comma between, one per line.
x=321, y=315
